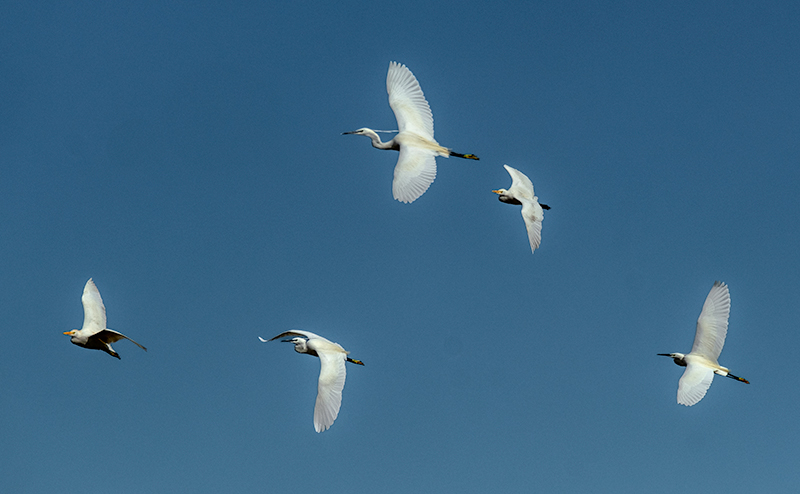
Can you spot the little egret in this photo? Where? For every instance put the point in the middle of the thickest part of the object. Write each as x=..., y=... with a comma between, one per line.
x=94, y=334
x=332, y=358
x=416, y=165
x=701, y=363
x=521, y=193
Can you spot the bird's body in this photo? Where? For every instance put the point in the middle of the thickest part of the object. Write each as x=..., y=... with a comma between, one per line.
x=521, y=193
x=416, y=165
x=701, y=363
x=332, y=373
x=94, y=334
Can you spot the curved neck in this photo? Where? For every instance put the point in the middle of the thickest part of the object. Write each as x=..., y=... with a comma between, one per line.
x=376, y=141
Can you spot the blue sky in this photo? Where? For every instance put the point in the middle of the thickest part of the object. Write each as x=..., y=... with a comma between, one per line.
x=188, y=157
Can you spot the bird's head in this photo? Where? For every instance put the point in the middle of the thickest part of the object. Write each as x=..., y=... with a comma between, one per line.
x=505, y=197
x=76, y=336
x=300, y=345
x=360, y=132
x=677, y=357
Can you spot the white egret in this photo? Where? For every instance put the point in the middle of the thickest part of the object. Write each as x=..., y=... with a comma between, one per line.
x=94, y=334
x=416, y=165
x=332, y=358
x=521, y=193
x=701, y=363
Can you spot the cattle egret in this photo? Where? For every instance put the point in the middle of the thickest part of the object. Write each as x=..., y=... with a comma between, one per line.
x=94, y=334
x=521, y=193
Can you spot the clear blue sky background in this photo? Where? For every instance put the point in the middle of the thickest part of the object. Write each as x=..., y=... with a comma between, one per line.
x=188, y=157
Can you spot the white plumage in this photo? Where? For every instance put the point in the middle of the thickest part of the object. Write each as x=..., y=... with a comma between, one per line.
x=94, y=334
x=332, y=358
x=521, y=193
x=701, y=363
x=416, y=165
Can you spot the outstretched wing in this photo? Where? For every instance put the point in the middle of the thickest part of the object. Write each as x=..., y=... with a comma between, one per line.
x=294, y=332
x=329, y=390
x=94, y=312
x=694, y=383
x=109, y=336
x=414, y=173
x=712, y=325
x=408, y=102
x=533, y=215
x=521, y=185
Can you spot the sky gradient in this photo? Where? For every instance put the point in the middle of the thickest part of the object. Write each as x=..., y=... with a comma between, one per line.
x=188, y=157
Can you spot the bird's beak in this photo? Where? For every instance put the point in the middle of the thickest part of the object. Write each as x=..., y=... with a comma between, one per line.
x=286, y=341
x=497, y=192
x=345, y=133
x=69, y=332
x=664, y=354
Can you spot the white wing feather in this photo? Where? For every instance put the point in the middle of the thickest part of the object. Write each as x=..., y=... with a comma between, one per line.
x=332, y=374
x=533, y=215
x=295, y=332
x=94, y=312
x=712, y=325
x=521, y=185
x=694, y=384
x=414, y=173
x=94, y=318
x=408, y=102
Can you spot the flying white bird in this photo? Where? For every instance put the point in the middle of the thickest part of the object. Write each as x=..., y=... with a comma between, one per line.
x=521, y=193
x=332, y=358
x=416, y=166
x=94, y=334
x=701, y=363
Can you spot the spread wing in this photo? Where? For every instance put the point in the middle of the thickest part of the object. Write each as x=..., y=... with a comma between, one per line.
x=294, y=332
x=712, y=325
x=408, y=102
x=521, y=186
x=94, y=312
x=522, y=190
x=109, y=336
x=694, y=383
x=329, y=390
x=533, y=215
x=414, y=173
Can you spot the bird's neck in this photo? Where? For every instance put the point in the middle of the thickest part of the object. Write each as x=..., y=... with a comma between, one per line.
x=377, y=143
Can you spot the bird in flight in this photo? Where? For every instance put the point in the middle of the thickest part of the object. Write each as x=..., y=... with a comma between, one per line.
x=332, y=373
x=701, y=363
x=521, y=193
x=416, y=165
x=94, y=334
